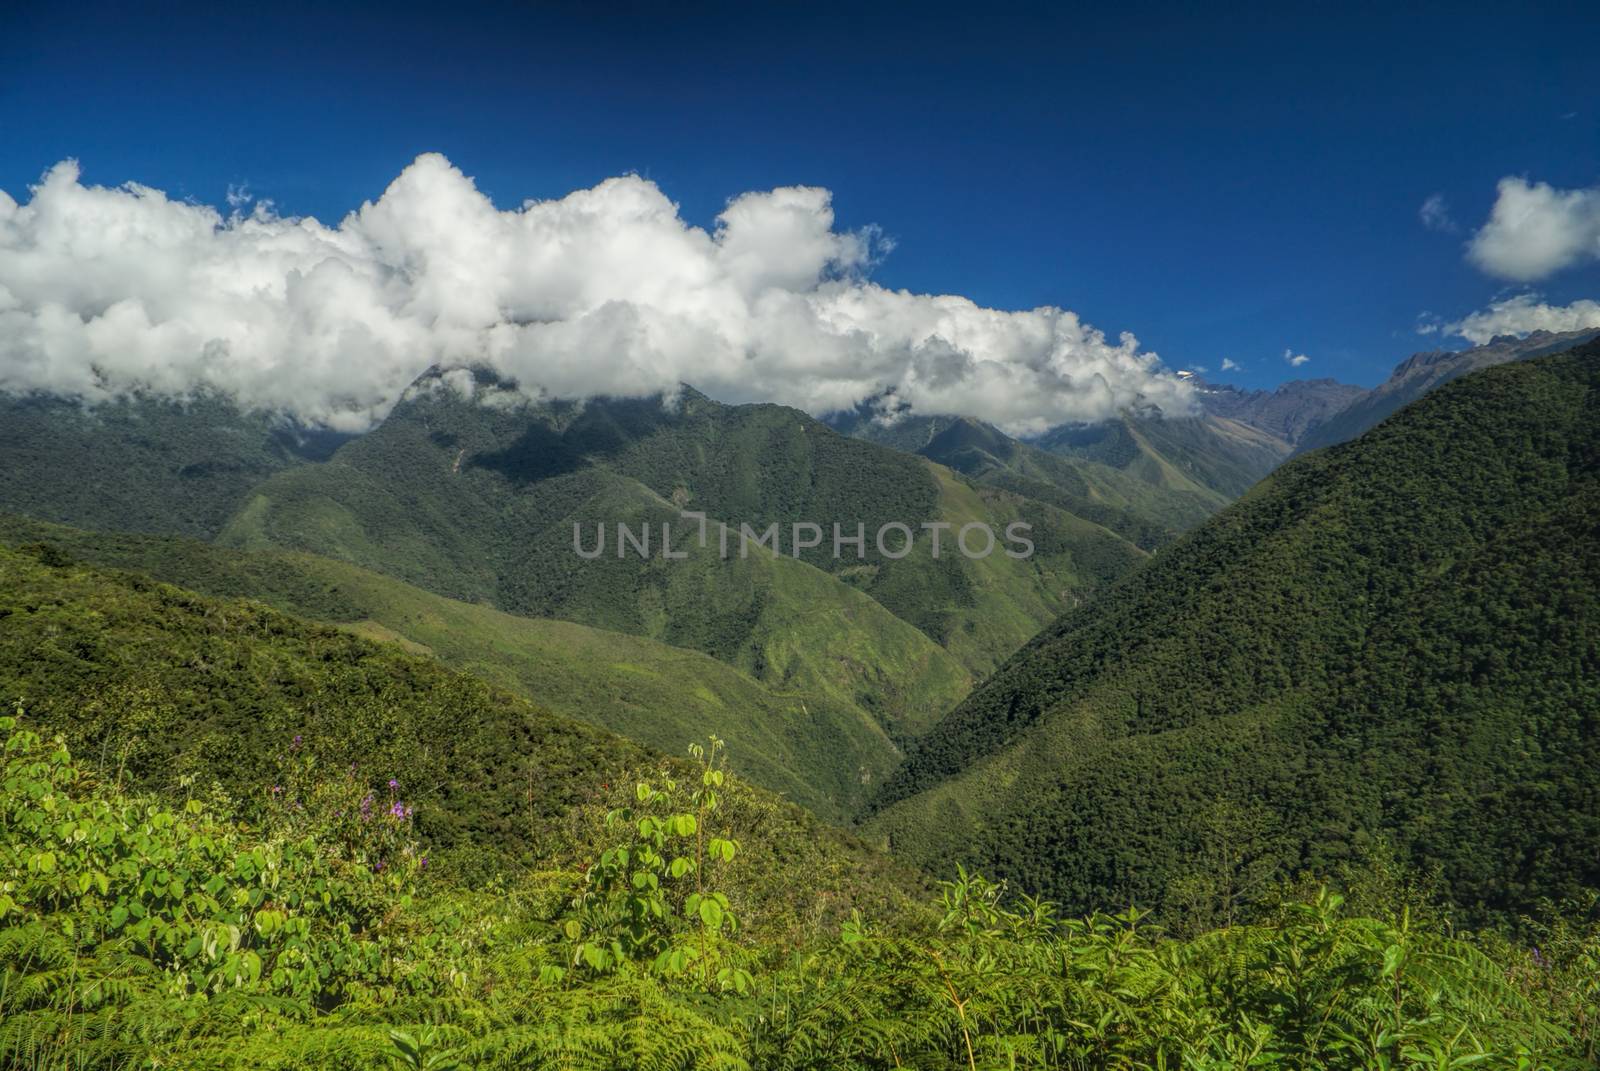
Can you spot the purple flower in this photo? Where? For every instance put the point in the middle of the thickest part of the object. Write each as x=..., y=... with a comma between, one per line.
x=424, y=862
x=296, y=745
x=393, y=784
x=277, y=789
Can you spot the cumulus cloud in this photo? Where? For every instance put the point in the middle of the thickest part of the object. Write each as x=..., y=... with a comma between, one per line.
x=604, y=291
x=1435, y=214
x=1522, y=315
x=1229, y=365
x=1295, y=359
x=1535, y=230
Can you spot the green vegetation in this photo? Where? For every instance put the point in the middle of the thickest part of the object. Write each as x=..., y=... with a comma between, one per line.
x=1318, y=738
x=310, y=932
x=824, y=756
x=1148, y=513
x=173, y=692
x=477, y=501
x=142, y=464
x=1396, y=637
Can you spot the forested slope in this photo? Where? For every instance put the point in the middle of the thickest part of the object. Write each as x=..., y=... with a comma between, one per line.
x=1398, y=637
x=824, y=756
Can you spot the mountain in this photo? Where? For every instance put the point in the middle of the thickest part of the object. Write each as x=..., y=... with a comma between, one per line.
x=479, y=499
x=824, y=757
x=1147, y=512
x=1393, y=638
x=202, y=891
x=1289, y=411
x=216, y=701
x=143, y=464
x=1422, y=372
x=1212, y=457
x=158, y=685
x=1144, y=475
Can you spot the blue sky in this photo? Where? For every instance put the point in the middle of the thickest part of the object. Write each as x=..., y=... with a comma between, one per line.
x=1223, y=185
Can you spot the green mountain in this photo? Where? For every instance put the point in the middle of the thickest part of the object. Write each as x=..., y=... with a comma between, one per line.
x=824, y=757
x=168, y=688
x=1146, y=476
x=143, y=464
x=1392, y=638
x=172, y=692
x=479, y=501
x=1147, y=513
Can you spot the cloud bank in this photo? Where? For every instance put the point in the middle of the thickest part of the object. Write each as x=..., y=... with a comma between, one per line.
x=1535, y=230
x=607, y=290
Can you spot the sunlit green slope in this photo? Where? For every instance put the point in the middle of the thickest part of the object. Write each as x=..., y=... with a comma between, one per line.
x=824, y=756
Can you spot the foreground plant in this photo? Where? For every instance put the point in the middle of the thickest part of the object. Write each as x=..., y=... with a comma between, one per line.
x=136, y=934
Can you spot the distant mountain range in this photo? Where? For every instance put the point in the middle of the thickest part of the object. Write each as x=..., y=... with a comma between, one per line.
x=461, y=509
x=1422, y=372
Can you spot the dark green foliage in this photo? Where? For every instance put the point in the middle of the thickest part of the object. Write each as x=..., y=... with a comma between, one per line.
x=163, y=688
x=162, y=685
x=143, y=464
x=1395, y=636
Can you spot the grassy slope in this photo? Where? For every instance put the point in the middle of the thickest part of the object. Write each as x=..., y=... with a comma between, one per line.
x=172, y=691
x=824, y=757
x=1398, y=635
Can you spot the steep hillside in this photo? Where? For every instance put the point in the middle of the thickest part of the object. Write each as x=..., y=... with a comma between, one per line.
x=161, y=685
x=1422, y=372
x=142, y=465
x=171, y=692
x=822, y=756
x=1399, y=637
x=478, y=498
x=1147, y=513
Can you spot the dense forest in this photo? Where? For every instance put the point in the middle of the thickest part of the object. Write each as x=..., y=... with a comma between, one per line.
x=1394, y=637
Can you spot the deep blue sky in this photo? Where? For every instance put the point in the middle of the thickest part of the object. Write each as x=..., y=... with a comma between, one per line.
x=1223, y=185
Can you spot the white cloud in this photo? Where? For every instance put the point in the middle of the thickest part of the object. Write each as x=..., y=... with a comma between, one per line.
x=1230, y=365
x=1295, y=359
x=1535, y=230
x=605, y=290
x=1435, y=214
x=1522, y=315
